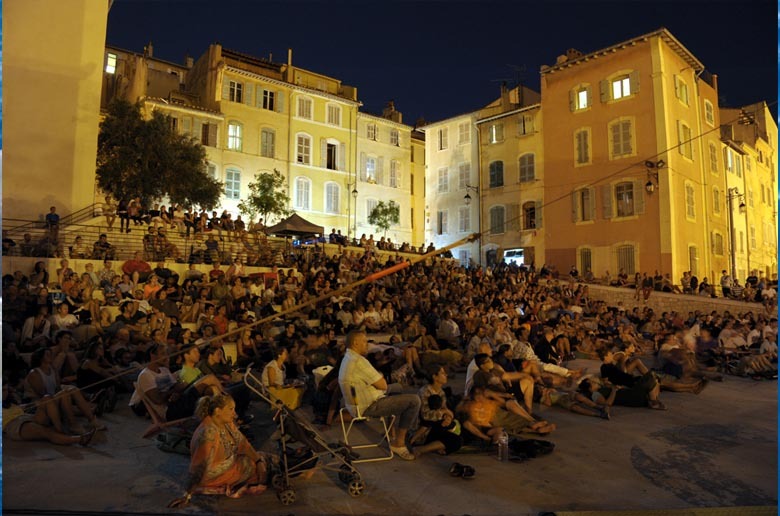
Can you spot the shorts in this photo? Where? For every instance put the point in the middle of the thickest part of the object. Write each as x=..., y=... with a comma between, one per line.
x=14, y=428
x=562, y=400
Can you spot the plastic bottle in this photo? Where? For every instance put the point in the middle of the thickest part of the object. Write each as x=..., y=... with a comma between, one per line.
x=503, y=447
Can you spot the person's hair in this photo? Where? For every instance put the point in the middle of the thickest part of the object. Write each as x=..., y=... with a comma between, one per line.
x=435, y=402
x=208, y=404
x=481, y=358
x=584, y=387
x=503, y=348
x=352, y=335
x=602, y=352
x=91, y=351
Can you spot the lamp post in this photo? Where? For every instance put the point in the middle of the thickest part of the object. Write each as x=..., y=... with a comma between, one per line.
x=354, y=198
x=733, y=193
x=467, y=200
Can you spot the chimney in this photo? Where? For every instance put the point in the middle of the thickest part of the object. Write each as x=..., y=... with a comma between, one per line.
x=289, y=58
x=188, y=61
x=561, y=59
x=573, y=53
x=390, y=113
x=149, y=50
x=420, y=123
x=506, y=105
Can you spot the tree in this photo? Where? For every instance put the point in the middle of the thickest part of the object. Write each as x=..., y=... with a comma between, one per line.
x=384, y=215
x=267, y=197
x=149, y=159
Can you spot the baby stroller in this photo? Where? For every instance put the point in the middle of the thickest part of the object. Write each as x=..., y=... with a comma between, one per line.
x=313, y=452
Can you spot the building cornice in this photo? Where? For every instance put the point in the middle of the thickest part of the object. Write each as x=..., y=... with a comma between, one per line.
x=508, y=113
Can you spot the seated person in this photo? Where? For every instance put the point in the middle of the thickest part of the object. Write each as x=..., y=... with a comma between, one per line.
x=102, y=250
x=443, y=436
x=642, y=394
x=573, y=402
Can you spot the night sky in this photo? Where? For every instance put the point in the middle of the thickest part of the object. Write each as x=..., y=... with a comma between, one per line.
x=437, y=59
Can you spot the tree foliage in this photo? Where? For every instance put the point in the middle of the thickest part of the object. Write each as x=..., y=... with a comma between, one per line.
x=267, y=197
x=148, y=158
x=384, y=215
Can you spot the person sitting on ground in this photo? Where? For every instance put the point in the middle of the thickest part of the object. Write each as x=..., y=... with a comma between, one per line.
x=619, y=369
x=443, y=434
x=643, y=393
x=366, y=392
x=222, y=460
x=573, y=402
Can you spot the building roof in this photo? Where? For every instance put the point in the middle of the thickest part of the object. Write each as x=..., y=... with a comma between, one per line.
x=507, y=113
x=663, y=33
x=180, y=104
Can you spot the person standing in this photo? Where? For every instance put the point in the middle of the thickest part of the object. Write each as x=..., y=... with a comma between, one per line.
x=726, y=283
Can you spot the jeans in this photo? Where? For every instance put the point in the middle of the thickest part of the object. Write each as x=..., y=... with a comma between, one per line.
x=406, y=407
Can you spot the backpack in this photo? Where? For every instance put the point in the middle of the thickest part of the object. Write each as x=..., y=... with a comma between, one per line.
x=174, y=442
x=521, y=449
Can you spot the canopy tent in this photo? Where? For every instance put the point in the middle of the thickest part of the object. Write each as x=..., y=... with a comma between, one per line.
x=295, y=225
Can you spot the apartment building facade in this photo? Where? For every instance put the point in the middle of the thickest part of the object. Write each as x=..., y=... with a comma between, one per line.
x=629, y=178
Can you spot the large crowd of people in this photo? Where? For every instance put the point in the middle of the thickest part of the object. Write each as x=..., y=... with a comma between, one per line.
x=387, y=347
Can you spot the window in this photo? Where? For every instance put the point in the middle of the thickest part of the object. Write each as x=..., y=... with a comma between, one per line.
x=621, y=138
x=496, y=174
x=684, y=141
x=110, y=63
x=411, y=185
x=624, y=198
x=303, y=150
x=269, y=100
x=394, y=174
x=208, y=134
x=709, y=112
x=716, y=200
x=444, y=180
x=748, y=164
x=529, y=215
x=304, y=108
x=728, y=158
x=441, y=219
x=371, y=170
x=586, y=259
x=760, y=156
x=690, y=201
x=763, y=195
x=174, y=123
x=464, y=175
x=370, y=205
x=582, y=146
x=212, y=170
x=235, y=136
x=236, y=91
x=680, y=90
x=750, y=197
x=496, y=133
x=738, y=165
x=331, y=156
x=621, y=87
x=525, y=125
x=464, y=219
x=464, y=133
x=232, y=184
x=496, y=220
x=527, y=168
x=444, y=138
x=332, y=194
x=625, y=259
x=267, y=143
x=717, y=244
x=583, y=205
x=693, y=260
x=334, y=115
x=394, y=138
x=580, y=98
x=371, y=131
x=753, y=244
x=464, y=257
x=713, y=158
x=741, y=242
x=302, y=193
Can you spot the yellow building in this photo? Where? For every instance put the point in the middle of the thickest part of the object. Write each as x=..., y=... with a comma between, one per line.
x=52, y=63
x=749, y=136
x=511, y=164
x=384, y=172
x=632, y=162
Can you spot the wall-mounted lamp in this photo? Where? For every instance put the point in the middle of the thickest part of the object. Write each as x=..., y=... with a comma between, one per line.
x=652, y=174
x=467, y=197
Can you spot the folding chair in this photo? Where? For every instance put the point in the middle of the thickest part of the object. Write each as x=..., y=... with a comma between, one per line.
x=159, y=424
x=346, y=428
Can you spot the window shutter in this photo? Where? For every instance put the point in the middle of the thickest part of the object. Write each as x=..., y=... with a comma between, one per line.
x=248, y=90
x=513, y=220
x=626, y=128
x=639, y=197
x=604, y=87
x=712, y=242
x=380, y=170
x=279, y=100
x=225, y=88
x=186, y=126
x=323, y=152
x=529, y=124
x=680, y=146
x=590, y=96
x=342, y=156
x=606, y=200
x=677, y=86
x=398, y=174
x=260, y=96
x=592, y=198
x=616, y=147
x=575, y=205
x=362, y=166
x=538, y=213
x=212, y=135
x=633, y=78
x=572, y=97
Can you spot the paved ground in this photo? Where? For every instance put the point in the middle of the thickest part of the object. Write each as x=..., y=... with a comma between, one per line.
x=718, y=449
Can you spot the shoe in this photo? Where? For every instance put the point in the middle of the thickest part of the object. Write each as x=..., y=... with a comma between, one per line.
x=84, y=439
x=403, y=452
x=605, y=414
x=702, y=384
x=98, y=426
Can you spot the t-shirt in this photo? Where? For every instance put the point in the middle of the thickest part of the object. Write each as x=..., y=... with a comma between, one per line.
x=357, y=373
x=148, y=380
x=617, y=377
x=189, y=374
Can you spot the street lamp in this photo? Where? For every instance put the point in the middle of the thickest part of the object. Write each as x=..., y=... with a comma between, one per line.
x=652, y=174
x=354, y=198
x=467, y=200
x=733, y=193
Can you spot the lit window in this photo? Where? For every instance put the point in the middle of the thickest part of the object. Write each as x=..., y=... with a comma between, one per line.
x=496, y=133
x=579, y=98
x=303, y=153
x=232, y=184
x=267, y=143
x=527, y=168
x=529, y=215
x=235, y=136
x=371, y=170
x=621, y=87
x=334, y=115
x=304, y=108
x=110, y=63
x=332, y=198
x=496, y=169
x=394, y=139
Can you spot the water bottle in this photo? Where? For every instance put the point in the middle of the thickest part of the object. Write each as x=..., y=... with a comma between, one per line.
x=503, y=447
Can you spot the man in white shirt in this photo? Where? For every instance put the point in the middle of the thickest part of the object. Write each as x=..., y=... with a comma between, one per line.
x=448, y=330
x=365, y=392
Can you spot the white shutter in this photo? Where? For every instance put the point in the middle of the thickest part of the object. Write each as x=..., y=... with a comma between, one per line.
x=639, y=197
x=604, y=86
x=575, y=205
x=225, y=88
x=342, y=156
x=279, y=100
x=606, y=201
x=260, y=96
x=248, y=89
x=633, y=78
x=380, y=171
x=538, y=213
x=362, y=166
x=323, y=152
x=398, y=174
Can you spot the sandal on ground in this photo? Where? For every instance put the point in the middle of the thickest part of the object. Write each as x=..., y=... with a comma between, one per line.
x=467, y=472
x=456, y=470
x=403, y=452
x=657, y=405
x=605, y=413
x=84, y=439
x=97, y=425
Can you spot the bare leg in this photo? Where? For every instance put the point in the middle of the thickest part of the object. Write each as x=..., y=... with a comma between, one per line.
x=434, y=446
x=636, y=364
x=527, y=388
x=33, y=431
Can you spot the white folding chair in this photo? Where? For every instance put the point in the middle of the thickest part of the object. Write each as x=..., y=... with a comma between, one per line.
x=346, y=428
